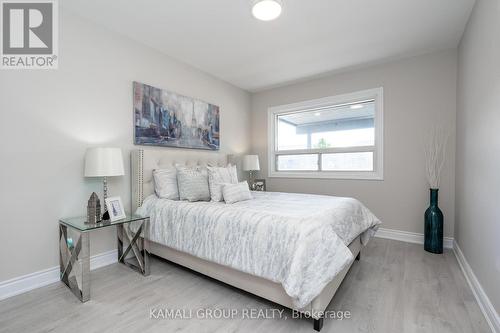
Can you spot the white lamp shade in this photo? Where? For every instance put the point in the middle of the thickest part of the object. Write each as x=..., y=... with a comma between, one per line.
x=251, y=163
x=103, y=162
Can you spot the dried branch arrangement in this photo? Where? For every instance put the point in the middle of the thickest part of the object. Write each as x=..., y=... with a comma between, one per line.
x=435, y=154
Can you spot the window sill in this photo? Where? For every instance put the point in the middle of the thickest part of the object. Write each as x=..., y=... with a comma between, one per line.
x=354, y=175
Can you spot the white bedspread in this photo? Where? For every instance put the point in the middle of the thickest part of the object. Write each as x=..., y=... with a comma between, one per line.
x=298, y=240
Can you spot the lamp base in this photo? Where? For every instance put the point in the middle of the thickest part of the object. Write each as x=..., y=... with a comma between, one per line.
x=105, y=216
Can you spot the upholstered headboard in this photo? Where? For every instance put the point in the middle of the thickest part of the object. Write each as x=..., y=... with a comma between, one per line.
x=145, y=161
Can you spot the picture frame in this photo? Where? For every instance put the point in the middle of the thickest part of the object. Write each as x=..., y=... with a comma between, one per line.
x=115, y=208
x=259, y=185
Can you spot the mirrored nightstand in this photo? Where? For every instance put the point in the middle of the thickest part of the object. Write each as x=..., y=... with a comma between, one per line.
x=258, y=185
x=74, y=249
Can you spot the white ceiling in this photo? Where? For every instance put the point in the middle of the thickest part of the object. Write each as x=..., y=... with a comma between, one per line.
x=312, y=37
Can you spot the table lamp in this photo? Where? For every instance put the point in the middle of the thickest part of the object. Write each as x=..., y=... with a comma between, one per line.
x=251, y=164
x=104, y=162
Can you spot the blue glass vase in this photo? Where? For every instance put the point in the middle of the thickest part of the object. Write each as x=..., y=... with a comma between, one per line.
x=433, y=226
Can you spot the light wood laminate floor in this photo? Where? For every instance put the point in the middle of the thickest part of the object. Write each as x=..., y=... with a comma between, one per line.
x=396, y=287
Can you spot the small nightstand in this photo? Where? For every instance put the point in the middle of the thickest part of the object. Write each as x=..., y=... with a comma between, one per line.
x=258, y=185
x=74, y=249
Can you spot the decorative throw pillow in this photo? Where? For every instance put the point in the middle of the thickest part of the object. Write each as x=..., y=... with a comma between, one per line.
x=165, y=181
x=218, y=176
x=193, y=183
x=236, y=192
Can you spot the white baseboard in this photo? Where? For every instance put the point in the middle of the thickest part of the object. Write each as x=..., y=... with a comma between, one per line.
x=103, y=259
x=409, y=237
x=482, y=299
x=42, y=278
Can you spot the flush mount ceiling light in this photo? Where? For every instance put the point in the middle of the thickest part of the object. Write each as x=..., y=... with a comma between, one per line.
x=266, y=10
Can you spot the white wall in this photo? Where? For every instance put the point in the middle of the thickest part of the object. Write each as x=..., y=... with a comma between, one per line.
x=49, y=118
x=478, y=140
x=417, y=92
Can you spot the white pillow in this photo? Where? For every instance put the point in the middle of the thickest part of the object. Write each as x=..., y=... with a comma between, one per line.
x=217, y=176
x=166, y=183
x=236, y=192
x=193, y=183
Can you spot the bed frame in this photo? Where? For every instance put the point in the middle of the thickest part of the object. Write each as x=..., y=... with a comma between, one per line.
x=143, y=164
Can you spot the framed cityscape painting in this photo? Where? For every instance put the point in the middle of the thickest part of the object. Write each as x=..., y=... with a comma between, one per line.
x=164, y=118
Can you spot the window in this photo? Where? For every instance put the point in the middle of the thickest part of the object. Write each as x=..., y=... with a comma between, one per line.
x=333, y=137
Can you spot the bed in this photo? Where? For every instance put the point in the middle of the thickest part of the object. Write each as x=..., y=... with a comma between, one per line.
x=280, y=246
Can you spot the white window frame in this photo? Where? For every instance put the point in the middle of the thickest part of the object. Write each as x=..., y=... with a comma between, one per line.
x=376, y=94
